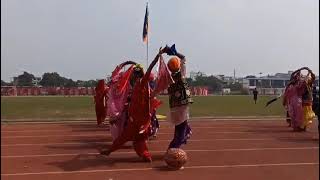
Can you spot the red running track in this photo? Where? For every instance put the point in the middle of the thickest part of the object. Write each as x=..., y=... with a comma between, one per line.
x=222, y=150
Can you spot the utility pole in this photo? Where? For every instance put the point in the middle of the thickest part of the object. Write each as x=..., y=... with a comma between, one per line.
x=234, y=76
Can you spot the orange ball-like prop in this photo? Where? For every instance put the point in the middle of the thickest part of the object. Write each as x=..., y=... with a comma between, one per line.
x=175, y=158
x=174, y=64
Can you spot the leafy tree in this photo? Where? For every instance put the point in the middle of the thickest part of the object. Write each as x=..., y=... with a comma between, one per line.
x=90, y=83
x=3, y=83
x=69, y=83
x=213, y=83
x=234, y=86
x=55, y=80
x=24, y=79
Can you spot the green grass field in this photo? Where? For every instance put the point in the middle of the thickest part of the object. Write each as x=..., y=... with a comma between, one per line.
x=58, y=107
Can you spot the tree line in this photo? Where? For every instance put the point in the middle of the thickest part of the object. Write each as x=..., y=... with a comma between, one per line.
x=53, y=79
x=48, y=80
x=215, y=84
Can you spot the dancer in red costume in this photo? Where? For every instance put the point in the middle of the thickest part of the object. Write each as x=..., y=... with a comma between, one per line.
x=99, y=100
x=139, y=114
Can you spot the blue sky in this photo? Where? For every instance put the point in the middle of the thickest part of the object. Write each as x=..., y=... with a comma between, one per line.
x=86, y=39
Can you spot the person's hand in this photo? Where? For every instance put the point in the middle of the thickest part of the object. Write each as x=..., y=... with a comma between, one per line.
x=310, y=71
x=129, y=62
x=162, y=50
x=166, y=49
x=306, y=68
x=171, y=51
x=183, y=61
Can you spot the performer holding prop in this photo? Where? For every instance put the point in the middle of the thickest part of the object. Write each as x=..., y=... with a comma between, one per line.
x=179, y=100
x=297, y=98
x=308, y=114
x=139, y=114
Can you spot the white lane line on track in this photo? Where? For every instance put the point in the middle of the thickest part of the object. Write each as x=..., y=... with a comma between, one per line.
x=107, y=134
x=155, y=168
x=151, y=141
x=190, y=150
x=96, y=129
x=193, y=119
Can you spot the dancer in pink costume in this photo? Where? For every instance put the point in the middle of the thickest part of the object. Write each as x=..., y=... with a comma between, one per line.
x=292, y=99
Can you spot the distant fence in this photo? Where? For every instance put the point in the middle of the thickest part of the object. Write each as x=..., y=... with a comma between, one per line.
x=72, y=91
x=268, y=91
x=42, y=91
x=199, y=91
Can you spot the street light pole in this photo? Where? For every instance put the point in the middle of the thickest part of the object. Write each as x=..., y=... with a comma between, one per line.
x=260, y=82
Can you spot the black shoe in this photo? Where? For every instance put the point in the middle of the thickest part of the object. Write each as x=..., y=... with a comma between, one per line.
x=147, y=159
x=298, y=129
x=105, y=152
x=304, y=128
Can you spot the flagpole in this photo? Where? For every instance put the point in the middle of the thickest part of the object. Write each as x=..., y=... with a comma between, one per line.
x=147, y=52
x=145, y=32
x=148, y=39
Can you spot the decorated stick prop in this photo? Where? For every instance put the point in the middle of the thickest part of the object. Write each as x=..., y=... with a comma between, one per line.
x=273, y=100
x=292, y=79
x=276, y=98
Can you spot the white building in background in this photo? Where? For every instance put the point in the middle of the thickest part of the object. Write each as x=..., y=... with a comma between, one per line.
x=269, y=85
x=193, y=74
x=226, y=90
x=226, y=79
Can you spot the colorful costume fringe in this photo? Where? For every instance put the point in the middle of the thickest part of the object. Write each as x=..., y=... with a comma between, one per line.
x=117, y=100
x=139, y=110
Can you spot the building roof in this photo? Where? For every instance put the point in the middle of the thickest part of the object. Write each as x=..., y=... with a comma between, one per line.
x=277, y=76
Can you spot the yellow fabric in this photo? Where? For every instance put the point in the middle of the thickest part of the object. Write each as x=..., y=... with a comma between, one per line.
x=139, y=66
x=308, y=115
x=161, y=117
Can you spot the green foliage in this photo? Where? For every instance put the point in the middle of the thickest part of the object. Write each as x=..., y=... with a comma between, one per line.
x=52, y=80
x=214, y=84
x=3, y=83
x=55, y=80
x=24, y=79
x=234, y=86
x=69, y=83
x=90, y=83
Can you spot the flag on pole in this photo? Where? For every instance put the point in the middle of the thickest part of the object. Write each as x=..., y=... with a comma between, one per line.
x=145, y=26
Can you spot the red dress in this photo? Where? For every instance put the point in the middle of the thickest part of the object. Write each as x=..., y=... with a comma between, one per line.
x=140, y=110
x=138, y=121
x=99, y=100
x=293, y=99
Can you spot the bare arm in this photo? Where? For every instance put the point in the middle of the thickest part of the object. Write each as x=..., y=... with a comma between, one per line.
x=181, y=56
x=183, y=69
x=313, y=76
x=154, y=62
x=127, y=62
